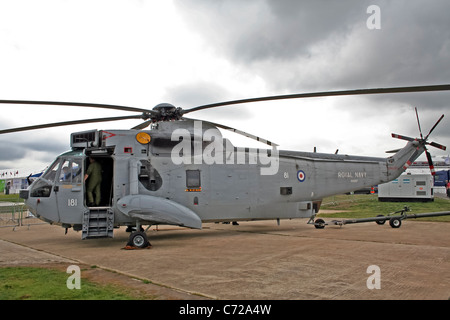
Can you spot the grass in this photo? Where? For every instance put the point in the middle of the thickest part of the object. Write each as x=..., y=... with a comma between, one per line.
x=30, y=283
x=10, y=197
x=363, y=206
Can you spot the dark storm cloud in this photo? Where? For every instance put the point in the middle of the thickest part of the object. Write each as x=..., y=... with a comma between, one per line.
x=308, y=45
x=15, y=150
x=9, y=151
x=251, y=31
x=16, y=146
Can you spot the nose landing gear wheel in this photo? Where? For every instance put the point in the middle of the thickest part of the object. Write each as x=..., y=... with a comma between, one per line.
x=139, y=240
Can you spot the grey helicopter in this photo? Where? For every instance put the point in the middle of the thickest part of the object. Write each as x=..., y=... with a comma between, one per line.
x=182, y=172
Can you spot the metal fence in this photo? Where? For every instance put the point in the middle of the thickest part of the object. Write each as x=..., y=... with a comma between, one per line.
x=16, y=214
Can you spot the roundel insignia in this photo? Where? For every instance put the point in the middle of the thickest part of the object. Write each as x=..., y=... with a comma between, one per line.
x=301, y=176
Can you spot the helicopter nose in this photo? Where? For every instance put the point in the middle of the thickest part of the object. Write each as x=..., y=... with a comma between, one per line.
x=25, y=195
x=32, y=204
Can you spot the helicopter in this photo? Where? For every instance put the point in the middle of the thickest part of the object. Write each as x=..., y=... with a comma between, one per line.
x=182, y=172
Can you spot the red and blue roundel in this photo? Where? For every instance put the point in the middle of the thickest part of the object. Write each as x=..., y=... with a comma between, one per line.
x=301, y=176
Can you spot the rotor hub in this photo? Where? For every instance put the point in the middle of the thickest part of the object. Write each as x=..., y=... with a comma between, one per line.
x=167, y=112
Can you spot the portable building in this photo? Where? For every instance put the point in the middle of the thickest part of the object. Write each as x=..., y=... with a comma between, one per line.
x=408, y=187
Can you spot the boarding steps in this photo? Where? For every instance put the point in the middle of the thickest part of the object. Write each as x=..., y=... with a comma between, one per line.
x=98, y=222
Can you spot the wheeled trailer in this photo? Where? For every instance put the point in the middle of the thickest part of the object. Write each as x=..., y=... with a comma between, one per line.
x=395, y=219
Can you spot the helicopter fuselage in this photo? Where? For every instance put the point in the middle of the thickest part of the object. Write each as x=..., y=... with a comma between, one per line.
x=145, y=181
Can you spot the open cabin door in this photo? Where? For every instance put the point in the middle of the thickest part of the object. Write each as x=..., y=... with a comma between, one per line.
x=107, y=177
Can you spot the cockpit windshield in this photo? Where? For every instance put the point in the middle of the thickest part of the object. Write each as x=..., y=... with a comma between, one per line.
x=65, y=170
x=51, y=172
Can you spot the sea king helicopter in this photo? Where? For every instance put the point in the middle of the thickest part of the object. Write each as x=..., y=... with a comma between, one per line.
x=182, y=172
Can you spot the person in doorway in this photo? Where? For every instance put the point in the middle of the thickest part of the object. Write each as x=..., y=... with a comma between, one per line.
x=94, y=180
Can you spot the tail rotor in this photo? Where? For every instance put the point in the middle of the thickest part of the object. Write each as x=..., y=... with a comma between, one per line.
x=423, y=141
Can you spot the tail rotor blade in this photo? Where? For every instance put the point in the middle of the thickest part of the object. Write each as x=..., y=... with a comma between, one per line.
x=418, y=123
x=430, y=163
x=431, y=130
x=394, y=135
x=411, y=159
x=437, y=145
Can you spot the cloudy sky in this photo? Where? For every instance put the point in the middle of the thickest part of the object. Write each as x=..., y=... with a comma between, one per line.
x=194, y=52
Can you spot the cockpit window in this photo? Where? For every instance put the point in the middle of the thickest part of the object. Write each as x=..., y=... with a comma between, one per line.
x=51, y=172
x=70, y=171
x=62, y=171
x=65, y=174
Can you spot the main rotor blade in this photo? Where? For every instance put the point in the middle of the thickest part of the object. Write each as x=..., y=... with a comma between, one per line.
x=77, y=104
x=245, y=134
x=143, y=125
x=326, y=94
x=68, y=123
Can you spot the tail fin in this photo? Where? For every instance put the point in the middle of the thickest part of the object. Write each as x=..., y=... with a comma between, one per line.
x=400, y=161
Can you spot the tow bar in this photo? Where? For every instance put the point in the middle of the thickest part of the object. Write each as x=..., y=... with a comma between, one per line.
x=395, y=218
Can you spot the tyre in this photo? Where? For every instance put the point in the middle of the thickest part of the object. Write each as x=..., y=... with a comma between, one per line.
x=319, y=224
x=380, y=222
x=395, y=222
x=139, y=240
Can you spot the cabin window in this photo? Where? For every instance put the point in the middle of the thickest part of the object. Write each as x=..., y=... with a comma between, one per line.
x=149, y=176
x=193, y=179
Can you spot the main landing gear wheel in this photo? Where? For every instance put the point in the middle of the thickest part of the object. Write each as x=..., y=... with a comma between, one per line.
x=395, y=222
x=139, y=240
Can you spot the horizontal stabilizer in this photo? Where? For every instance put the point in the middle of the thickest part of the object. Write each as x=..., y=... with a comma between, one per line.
x=393, y=151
